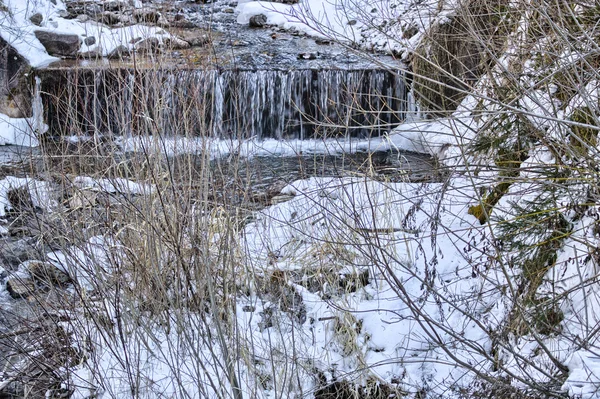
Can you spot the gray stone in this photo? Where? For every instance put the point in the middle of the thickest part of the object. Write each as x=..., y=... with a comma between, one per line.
x=36, y=19
x=59, y=44
x=89, y=41
x=258, y=21
x=20, y=287
x=176, y=43
x=196, y=38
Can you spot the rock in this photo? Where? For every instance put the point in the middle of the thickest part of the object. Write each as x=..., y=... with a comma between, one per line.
x=119, y=52
x=89, y=41
x=20, y=287
x=82, y=18
x=228, y=10
x=176, y=43
x=59, y=44
x=46, y=273
x=14, y=252
x=36, y=19
x=146, y=15
x=115, y=5
x=352, y=22
x=149, y=45
x=196, y=38
x=110, y=18
x=323, y=42
x=258, y=21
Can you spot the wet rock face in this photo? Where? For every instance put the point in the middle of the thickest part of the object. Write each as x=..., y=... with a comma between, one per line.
x=15, y=95
x=59, y=44
x=280, y=104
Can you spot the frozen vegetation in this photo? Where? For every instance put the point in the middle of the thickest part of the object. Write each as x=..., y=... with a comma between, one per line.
x=162, y=275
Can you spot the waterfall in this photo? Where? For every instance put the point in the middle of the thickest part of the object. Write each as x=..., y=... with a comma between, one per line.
x=280, y=104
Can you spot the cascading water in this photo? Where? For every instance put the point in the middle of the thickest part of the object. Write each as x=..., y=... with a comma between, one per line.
x=304, y=103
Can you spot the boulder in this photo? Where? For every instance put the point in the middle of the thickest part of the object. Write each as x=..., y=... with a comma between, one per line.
x=36, y=19
x=20, y=287
x=59, y=44
x=89, y=41
x=258, y=21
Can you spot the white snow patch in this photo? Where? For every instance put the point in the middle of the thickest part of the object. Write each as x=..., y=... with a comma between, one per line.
x=113, y=185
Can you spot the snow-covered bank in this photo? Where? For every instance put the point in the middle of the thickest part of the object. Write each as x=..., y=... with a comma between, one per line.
x=20, y=32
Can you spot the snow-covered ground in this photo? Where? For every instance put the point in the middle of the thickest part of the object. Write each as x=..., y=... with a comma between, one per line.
x=18, y=31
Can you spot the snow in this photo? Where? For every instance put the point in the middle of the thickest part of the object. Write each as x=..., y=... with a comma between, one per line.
x=19, y=32
x=40, y=192
x=216, y=148
x=113, y=185
x=18, y=131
